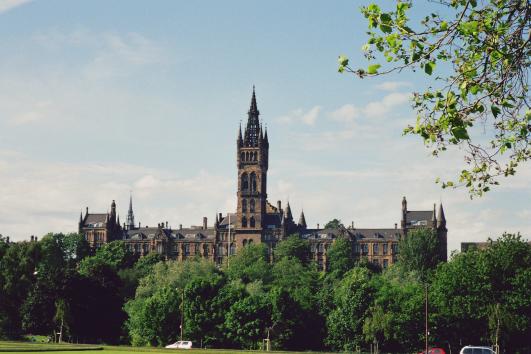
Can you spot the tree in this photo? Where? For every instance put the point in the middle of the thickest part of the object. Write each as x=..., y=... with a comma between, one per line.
x=249, y=264
x=295, y=247
x=345, y=321
x=334, y=224
x=483, y=50
x=419, y=252
x=340, y=257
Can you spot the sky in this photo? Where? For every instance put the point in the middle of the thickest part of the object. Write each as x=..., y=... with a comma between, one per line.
x=100, y=99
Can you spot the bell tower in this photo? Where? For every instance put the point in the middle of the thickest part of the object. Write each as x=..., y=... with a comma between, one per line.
x=252, y=161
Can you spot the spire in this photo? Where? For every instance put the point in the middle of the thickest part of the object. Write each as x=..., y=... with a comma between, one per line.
x=130, y=215
x=289, y=216
x=441, y=220
x=433, y=216
x=118, y=220
x=81, y=217
x=240, y=136
x=302, y=221
x=266, y=140
x=252, y=130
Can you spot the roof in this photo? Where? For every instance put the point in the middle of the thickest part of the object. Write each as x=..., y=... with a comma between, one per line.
x=417, y=218
x=225, y=220
x=189, y=234
x=353, y=234
x=95, y=220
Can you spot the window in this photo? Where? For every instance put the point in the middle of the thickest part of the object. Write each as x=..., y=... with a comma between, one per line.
x=365, y=249
x=385, y=246
x=251, y=206
x=244, y=206
x=220, y=250
x=252, y=222
x=242, y=156
x=250, y=242
x=186, y=250
x=375, y=248
x=320, y=248
x=394, y=248
x=244, y=221
x=245, y=182
x=205, y=250
x=385, y=263
x=196, y=248
x=253, y=182
x=232, y=249
x=244, y=243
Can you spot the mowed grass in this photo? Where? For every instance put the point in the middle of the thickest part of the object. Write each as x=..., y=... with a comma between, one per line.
x=65, y=348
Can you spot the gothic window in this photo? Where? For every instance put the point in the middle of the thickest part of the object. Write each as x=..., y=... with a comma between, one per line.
x=242, y=156
x=254, y=156
x=251, y=206
x=375, y=248
x=365, y=249
x=245, y=182
x=244, y=243
x=244, y=205
x=385, y=248
x=232, y=249
x=247, y=156
x=321, y=248
x=250, y=242
x=244, y=221
x=253, y=182
x=251, y=221
x=186, y=250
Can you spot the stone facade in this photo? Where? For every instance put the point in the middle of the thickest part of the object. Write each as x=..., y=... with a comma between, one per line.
x=256, y=220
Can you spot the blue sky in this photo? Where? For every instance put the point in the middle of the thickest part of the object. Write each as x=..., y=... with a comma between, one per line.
x=98, y=98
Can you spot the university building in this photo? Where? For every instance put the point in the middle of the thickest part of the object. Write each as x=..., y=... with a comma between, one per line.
x=256, y=220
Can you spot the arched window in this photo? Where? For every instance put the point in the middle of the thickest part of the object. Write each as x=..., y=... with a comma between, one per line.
x=251, y=206
x=245, y=182
x=220, y=250
x=244, y=205
x=247, y=156
x=254, y=156
x=232, y=249
x=375, y=248
x=244, y=221
x=251, y=221
x=250, y=242
x=242, y=156
x=244, y=243
x=253, y=182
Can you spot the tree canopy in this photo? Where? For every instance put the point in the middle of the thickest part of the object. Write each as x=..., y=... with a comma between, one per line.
x=479, y=53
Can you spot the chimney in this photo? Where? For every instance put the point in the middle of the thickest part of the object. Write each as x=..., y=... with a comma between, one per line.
x=87, y=211
x=180, y=226
x=318, y=226
x=279, y=205
x=166, y=224
x=352, y=225
x=205, y=222
x=139, y=225
x=220, y=217
x=31, y=238
x=35, y=238
x=396, y=225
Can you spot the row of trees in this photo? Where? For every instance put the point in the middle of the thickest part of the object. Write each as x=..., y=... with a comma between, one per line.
x=478, y=297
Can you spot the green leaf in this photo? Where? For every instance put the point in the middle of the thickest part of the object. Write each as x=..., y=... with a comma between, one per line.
x=495, y=110
x=429, y=67
x=444, y=26
x=342, y=60
x=460, y=133
x=373, y=69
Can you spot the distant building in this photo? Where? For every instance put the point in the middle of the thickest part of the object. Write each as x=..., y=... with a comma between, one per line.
x=256, y=220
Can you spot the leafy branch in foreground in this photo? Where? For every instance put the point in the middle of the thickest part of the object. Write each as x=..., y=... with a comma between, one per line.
x=486, y=46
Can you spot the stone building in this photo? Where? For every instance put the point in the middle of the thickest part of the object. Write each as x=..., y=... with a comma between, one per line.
x=256, y=220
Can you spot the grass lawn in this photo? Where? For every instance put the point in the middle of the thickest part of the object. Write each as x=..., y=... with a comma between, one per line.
x=65, y=348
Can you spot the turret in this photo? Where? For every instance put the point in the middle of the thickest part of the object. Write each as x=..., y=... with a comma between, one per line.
x=302, y=221
x=441, y=219
x=289, y=215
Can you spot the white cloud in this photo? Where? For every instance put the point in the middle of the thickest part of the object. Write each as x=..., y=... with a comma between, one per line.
x=393, y=85
x=345, y=114
x=6, y=5
x=299, y=115
x=379, y=109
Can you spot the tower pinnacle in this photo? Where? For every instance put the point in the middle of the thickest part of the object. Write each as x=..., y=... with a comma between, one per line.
x=130, y=215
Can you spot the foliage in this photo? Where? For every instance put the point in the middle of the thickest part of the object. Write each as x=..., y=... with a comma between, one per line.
x=345, y=322
x=419, y=252
x=295, y=247
x=334, y=224
x=340, y=257
x=480, y=52
x=249, y=264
